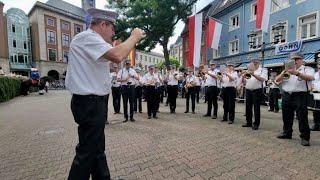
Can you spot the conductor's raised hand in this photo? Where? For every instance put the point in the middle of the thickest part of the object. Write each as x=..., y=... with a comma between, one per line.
x=138, y=34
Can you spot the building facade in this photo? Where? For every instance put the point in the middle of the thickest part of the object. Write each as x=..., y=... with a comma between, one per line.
x=144, y=59
x=53, y=26
x=19, y=41
x=176, y=50
x=4, y=62
x=290, y=20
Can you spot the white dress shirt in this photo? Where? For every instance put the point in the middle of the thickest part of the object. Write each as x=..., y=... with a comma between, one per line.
x=226, y=82
x=316, y=82
x=172, y=81
x=88, y=72
x=210, y=81
x=295, y=83
x=253, y=83
x=114, y=81
x=197, y=81
x=151, y=79
x=124, y=73
x=190, y=79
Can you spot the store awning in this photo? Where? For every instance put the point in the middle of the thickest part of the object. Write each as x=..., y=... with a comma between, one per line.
x=278, y=61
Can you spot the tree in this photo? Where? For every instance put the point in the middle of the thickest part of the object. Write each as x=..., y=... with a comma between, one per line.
x=156, y=17
x=172, y=60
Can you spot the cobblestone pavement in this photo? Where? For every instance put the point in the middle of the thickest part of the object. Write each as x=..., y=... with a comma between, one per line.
x=38, y=137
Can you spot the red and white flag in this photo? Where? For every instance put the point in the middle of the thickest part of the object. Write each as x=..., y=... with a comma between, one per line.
x=214, y=33
x=195, y=33
x=263, y=14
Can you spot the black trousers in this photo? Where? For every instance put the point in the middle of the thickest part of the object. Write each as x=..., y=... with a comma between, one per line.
x=212, y=93
x=273, y=99
x=151, y=95
x=158, y=97
x=197, y=93
x=191, y=94
x=253, y=99
x=229, y=99
x=162, y=93
x=116, y=99
x=291, y=103
x=172, y=97
x=89, y=113
x=316, y=114
x=138, y=99
x=128, y=96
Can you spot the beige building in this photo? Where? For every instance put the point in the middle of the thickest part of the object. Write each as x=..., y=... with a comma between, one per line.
x=144, y=59
x=4, y=62
x=176, y=50
x=53, y=25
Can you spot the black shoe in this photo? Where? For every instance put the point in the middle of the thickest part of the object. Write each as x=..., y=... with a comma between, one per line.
x=315, y=128
x=270, y=110
x=206, y=115
x=284, y=136
x=255, y=127
x=276, y=111
x=186, y=111
x=230, y=122
x=166, y=105
x=140, y=111
x=132, y=120
x=155, y=117
x=193, y=112
x=125, y=121
x=149, y=117
x=305, y=142
x=214, y=117
x=246, y=125
x=115, y=113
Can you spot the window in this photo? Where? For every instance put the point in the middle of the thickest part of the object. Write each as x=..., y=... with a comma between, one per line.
x=65, y=26
x=51, y=37
x=11, y=58
x=253, y=11
x=52, y=54
x=277, y=5
x=26, y=59
x=154, y=60
x=255, y=41
x=50, y=22
x=24, y=45
x=65, y=40
x=149, y=59
x=65, y=56
x=234, y=47
x=234, y=22
x=20, y=59
x=279, y=33
x=145, y=58
x=13, y=28
x=14, y=43
x=216, y=53
x=140, y=57
x=77, y=29
x=308, y=26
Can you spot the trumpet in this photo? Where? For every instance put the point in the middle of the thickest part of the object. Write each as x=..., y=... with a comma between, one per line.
x=246, y=75
x=219, y=74
x=286, y=76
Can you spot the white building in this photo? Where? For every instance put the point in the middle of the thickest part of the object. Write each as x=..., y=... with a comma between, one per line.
x=144, y=59
x=176, y=50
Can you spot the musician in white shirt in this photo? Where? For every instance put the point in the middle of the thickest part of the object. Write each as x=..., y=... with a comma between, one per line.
x=190, y=91
x=172, y=88
x=138, y=92
x=212, y=90
x=294, y=98
x=127, y=77
x=151, y=80
x=116, y=92
x=316, y=89
x=254, y=91
x=229, y=83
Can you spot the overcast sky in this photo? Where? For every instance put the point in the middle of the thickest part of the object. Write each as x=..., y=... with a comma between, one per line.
x=26, y=5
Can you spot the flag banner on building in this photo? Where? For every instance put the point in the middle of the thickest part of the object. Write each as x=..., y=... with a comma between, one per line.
x=132, y=57
x=195, y=33
x=214, y=33
x=263, y=14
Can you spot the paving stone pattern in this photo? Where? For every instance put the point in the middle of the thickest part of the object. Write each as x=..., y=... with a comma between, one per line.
x=38, y=137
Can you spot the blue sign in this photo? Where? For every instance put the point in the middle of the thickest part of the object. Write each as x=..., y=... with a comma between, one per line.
x=290, y=47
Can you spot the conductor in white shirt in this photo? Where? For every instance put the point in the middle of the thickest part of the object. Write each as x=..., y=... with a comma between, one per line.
x=89, y=81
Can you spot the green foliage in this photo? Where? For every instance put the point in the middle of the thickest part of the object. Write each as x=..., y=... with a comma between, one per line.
x=9, y=88
x=156, y=17
x=172, y=61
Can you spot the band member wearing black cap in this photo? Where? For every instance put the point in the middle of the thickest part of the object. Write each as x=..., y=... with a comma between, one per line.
x=254, y=79
x=172, y=79
x=127, y=76
x=151, y=80
x=116, y=93
x=89, y=81
x=295, y=79
x=190, y=91
x=229, y=83
x=138, y=92
x=212, y=90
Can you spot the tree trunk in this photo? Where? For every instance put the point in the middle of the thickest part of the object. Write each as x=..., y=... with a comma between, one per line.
x=166, y=51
